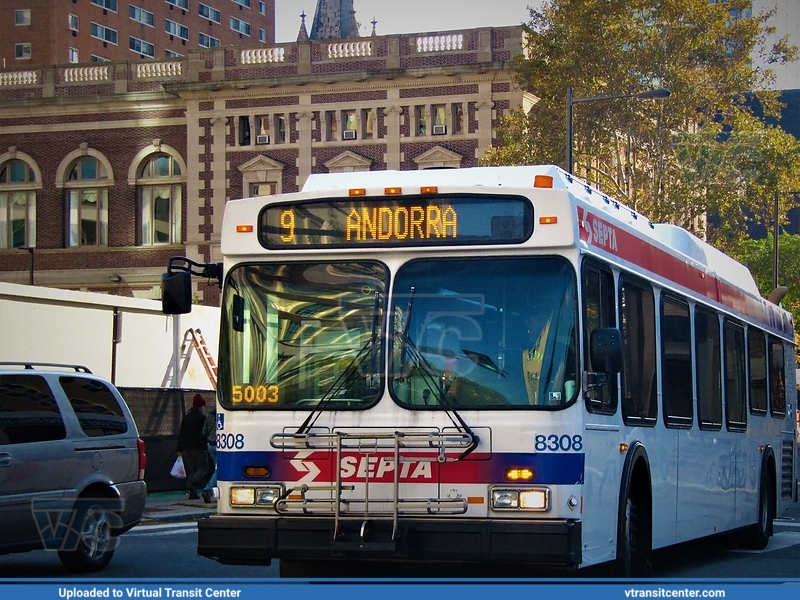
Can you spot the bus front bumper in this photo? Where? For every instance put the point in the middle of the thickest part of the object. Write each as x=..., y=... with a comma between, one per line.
x=257, y=540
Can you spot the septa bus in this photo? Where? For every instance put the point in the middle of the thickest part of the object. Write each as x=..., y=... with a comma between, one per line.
x=496, y=364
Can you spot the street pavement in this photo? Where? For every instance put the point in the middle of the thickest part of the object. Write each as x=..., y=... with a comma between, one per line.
x=173, y=507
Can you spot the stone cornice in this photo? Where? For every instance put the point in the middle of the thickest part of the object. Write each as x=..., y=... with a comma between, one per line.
x=330, y=83
x=80, y=105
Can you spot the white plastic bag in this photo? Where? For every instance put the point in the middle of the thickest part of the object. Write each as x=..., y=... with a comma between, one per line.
x=178, y=470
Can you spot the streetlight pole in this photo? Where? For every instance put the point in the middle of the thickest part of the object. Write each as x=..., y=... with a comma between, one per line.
x=775, y=234
x=776, y=231
x=30, y=249
x=646, y=95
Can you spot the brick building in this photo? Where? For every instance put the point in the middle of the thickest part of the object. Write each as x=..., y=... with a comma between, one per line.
x=110, y=169
x=47, y=32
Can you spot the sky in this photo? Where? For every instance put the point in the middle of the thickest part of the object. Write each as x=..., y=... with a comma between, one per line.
x=408, y=16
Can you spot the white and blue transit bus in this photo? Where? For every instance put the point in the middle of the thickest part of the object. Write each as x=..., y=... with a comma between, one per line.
x=489, y=365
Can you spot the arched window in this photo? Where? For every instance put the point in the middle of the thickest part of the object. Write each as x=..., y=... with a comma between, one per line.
x=159, y=182
x=17, y=204
x=86, y=183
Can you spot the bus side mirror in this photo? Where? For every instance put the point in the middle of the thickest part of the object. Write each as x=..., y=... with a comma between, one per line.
x=237, y=313
x=176, y=293
x=605, y=350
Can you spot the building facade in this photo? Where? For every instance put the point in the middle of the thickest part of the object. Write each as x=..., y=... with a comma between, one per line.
x=108, y=170
x=46, y=32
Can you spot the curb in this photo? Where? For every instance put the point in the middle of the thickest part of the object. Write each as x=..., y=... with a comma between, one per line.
x=175, y=517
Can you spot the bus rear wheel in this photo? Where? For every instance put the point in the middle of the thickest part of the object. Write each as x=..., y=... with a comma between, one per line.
x=757, y=536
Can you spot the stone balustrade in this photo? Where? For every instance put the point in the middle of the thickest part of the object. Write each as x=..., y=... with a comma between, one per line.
x=349, y=49
x=440, y=43
x=18, y=78
x=85, y=74
x=168, y=69
x=308, y=59
x=260, y=56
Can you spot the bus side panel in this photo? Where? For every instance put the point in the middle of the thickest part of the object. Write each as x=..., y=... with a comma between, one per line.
x=706, y=503
x=601, y=489
x=662, y=449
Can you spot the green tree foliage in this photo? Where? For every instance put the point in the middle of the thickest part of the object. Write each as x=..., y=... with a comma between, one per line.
x=665, y=158
x=758, y=256
x=734, y=178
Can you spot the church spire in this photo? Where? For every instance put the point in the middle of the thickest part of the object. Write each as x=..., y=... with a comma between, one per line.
x=334, y=20
x=302, y=36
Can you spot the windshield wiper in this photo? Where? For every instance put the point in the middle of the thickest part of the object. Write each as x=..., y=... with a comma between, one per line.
x=431, y=383
x=369, y=349
x=482, y=360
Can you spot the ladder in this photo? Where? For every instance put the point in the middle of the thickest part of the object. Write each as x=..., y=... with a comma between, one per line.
x=199, y=344
x=192, y=340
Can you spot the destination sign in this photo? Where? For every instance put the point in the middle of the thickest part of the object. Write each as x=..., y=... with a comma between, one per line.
x=398, y=221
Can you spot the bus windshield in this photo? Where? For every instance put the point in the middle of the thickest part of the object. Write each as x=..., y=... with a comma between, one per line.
x=484, y=333
x=297, y=333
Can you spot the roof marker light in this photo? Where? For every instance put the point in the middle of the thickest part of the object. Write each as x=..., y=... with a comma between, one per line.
x=543, y=181
x=393, y=191
x=429, y=189
x=244, y=229
x=358, y=191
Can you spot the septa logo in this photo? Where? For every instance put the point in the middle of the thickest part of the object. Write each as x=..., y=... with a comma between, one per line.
x=597, y=232
x=360, y=467
x=309, y=468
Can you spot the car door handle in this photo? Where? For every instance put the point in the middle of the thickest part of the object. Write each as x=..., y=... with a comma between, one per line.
x=5, y=459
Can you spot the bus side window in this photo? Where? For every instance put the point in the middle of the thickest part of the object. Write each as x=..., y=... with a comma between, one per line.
x=757, y=356
x=676, y=362
x=777, y=379
x=708, y=368
x=598, y=311
x=638, y=325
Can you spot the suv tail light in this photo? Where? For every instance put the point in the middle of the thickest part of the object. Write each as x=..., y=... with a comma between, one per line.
x=142, y=457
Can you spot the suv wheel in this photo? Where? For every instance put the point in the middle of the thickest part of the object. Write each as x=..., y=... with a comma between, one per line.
x=90, y=545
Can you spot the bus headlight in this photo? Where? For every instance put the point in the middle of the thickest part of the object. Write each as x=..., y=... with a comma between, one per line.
x=268, y=495
x=250, y=496
x=505, y=499
x=243, y=496
x=537, y=499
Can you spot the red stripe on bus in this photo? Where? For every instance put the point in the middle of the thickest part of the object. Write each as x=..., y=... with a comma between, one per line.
x=603, y=235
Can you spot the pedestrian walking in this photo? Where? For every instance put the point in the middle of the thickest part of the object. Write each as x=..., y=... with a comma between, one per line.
x=210, y=431
x=192, y=446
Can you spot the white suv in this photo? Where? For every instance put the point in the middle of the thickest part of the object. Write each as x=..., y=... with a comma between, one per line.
x=71, y=464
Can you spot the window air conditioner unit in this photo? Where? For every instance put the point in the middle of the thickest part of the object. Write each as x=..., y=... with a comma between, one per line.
x=349, y=134
x=262, y=139
x=439, y=129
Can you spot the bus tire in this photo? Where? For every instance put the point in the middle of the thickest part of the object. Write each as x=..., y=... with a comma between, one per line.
x=91, y=544
x=634, y=522
x=757, y=536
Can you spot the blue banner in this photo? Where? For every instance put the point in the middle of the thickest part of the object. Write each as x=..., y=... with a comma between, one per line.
x=257, y=589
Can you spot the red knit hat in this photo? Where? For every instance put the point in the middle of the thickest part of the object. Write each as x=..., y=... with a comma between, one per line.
x=198, y=401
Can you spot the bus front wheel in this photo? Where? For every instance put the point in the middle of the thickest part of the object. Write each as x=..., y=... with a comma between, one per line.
x=633, y=537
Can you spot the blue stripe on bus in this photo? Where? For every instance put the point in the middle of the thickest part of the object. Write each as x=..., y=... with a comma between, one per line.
x=556, y=468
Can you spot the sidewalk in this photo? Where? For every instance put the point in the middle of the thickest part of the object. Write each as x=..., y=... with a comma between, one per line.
x=171, y=507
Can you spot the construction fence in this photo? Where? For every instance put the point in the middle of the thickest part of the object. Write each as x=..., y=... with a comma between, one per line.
x=158, y=413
